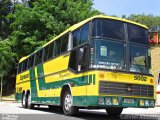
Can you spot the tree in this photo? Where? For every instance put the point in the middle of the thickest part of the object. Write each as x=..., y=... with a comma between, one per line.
x=39, y=21
x=6, y=59
x=5, y=9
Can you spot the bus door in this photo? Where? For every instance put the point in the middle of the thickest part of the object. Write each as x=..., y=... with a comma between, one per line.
x=79, y=66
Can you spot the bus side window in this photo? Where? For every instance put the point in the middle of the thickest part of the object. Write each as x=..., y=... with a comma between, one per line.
x=84, y=34
x=19, y=67
x=73, y=60
x=64, y=43
x=76, y=38
x=57, y=49
x=78, y=59
x=31, y=61
x=39, y=57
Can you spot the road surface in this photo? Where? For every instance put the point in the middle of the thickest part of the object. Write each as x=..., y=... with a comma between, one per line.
x=14, y=111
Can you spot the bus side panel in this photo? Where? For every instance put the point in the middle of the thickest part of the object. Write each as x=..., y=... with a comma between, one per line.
x=22, y=84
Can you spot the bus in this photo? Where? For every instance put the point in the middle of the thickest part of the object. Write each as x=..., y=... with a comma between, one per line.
x=102, y=62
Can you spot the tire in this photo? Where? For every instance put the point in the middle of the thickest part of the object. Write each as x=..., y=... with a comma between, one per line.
x=68, y=109
x=29, y=104
x=24, y=103
x=114, y=111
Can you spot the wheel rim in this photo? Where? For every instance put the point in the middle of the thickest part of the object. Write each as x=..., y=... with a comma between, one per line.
x=68, y=102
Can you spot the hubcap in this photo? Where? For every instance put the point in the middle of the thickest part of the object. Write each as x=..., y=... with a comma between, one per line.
x=68, y=102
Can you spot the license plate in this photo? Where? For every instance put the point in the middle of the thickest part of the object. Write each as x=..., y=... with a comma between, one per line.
x=129, y=101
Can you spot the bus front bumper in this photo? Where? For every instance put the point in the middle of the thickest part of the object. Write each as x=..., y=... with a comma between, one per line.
x=125, y=102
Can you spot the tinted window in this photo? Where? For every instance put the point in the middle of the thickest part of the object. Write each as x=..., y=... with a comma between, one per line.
x=108, y=28
x=39, y=57
x=64, y=45
x=31, y=61
x=106, y=54
x=46, y=53
x=50, y=50
x=137, y=34
x=84, y=34
x=19, y=67
x=57, y=50
x=76, y=38
x=24, y=65
x=73, y=60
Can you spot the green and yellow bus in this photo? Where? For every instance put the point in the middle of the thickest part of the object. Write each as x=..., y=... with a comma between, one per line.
x=102, y=63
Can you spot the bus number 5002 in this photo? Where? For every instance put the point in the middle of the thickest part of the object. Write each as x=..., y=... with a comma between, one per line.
x=140, y=78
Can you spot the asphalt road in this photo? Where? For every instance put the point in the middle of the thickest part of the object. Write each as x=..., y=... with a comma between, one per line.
x=14, y=111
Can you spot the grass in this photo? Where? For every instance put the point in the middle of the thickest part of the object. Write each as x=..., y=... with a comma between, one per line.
x=8, y=98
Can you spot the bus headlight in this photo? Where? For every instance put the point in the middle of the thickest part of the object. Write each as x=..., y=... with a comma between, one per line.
x=146, y=102
x=108, y=101
x=141, y=102
x=101, y=101
x=115, y=101
x=152, y=103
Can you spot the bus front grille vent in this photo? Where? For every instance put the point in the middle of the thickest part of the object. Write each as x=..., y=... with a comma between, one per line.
x=125, y=89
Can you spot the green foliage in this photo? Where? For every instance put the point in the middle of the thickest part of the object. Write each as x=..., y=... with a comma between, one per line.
x=5, y=9
x=39, y=21
x=6, y=56
x=148, y=20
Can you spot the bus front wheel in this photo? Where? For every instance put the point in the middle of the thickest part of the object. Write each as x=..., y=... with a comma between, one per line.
x=114, y=111
x=68, y=109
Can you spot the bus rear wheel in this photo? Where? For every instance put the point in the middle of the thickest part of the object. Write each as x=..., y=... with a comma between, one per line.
x=29, y=104
x=68, y=109
x=114, y=111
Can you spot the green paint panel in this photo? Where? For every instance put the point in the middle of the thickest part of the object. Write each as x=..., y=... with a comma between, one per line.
x=79, y=81
x=18, y=96
x=33, y=84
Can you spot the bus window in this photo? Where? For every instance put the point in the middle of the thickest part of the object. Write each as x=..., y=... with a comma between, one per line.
x=50, y=50
x=19, y=67
x=78, y=59
x=39, y=57
x=31, y=61
x=76, y=38
x=45, y=53
x=108, y=28
x=137, y=34
x=84, y=34
x=57, y=49
x=64, y=43
x=73, y=60
x=24, y=65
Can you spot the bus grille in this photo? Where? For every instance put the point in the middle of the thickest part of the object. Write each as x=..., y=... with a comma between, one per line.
x=125, y=89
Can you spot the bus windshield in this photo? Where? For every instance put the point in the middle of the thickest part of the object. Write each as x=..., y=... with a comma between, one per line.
x=118, y=45
x=107, y=54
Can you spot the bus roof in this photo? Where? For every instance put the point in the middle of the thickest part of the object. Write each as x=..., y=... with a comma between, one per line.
x=74, y=27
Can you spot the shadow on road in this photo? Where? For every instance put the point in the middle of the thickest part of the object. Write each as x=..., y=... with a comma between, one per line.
x=90, y=115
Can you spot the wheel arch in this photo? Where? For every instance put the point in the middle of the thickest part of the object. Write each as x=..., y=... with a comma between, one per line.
x=64, y=88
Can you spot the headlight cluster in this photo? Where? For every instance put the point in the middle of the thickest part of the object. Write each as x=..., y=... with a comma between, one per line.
x=108, y=101
x=146, y=103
